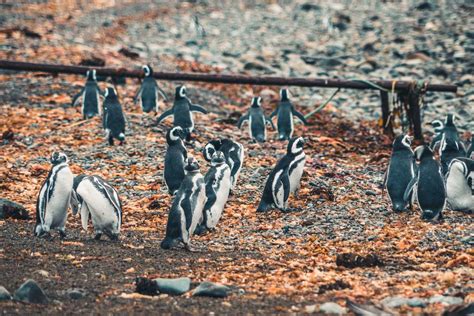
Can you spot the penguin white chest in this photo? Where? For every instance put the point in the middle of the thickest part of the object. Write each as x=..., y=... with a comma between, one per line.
x=101, y=209
x=222, y=189
x=459, y=193
x=296, y=169
x=199, y=200
x=56, y=210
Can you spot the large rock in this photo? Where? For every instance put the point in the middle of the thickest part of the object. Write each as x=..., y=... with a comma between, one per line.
x=30, y=292
x=4, y=294
x=173, y=286
x=397, y=301
x=211, y=289
x=332, y=308
x=10, y=209
x=446, y=300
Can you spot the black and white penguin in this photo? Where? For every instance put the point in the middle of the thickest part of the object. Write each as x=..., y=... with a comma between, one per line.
x=89, y=96
x=182, y=111
x=218, y=184
x=257, y=121
x=114, y=118
x=93, y=195
x=285, y=177
x=149, y=92
x=460, y=185
x=449, y=131
x=285, y=112
x=186, y=210
x=54, y=197
x=175, y=159
x=400, y=171
x=450, y=149
x=427, y=185
x=234, y=155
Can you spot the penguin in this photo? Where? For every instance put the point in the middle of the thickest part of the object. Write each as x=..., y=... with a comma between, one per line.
x=400, y=171
x=257, y=121
x=149, y=92
x=182, y=111
x=218, y=184
x=285, y=177
x=285, y=112
x=175, y=159
x=186, y=210
x=113, y=119
x=95, y=196
x=234, y=155
x=460, y=185
x=438, y=126
x=449, y=131
x=54, y=197
x=450, y=149
x=89, y=96
x=470, y=149
x=428, y=185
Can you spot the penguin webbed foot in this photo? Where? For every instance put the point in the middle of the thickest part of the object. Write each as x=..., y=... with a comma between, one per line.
x=190, y=248
x=62, y=234
x=111, y=141
x=98, y=236
x=201, y=230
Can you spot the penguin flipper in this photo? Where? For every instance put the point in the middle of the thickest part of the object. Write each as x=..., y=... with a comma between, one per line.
x=242, y=119
x=409, y=189
x=162, y=93
x=77, y=97
x=435, y=141
x=164, y=115
x=273, y=113
x=84, y=215
x=281, y=182
x=385, y=179
x=138, y=95
x=299, y=116
x=197, y=108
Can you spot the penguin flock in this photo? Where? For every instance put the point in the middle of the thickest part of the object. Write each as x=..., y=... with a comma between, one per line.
x=416, y=175
x=198, y=200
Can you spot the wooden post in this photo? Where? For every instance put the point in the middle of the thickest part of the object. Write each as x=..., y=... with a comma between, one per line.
x=386, y=120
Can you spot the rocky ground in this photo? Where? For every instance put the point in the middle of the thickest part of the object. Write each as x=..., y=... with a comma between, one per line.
x=275, y=263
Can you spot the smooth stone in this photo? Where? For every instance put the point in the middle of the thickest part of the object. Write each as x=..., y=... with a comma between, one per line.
x=211, y=289
x=332, y=308
x=4, y=294
x=176, y=286
x=30, y=292
x=397, y=301
x=10, y=209
x=76, y=294
x=446, y=300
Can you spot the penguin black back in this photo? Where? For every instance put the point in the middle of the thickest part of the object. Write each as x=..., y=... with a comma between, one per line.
x=114, y=119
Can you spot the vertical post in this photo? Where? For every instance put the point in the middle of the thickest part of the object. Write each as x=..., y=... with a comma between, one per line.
x=387, y=122
x=414, y=102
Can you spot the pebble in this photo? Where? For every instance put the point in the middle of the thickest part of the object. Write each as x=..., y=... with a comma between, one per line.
x=30, y=292
x=211, y=289
x=446, y=300
x=176, y=286
x=4, y=294
x=76, y=293
x=332, y=308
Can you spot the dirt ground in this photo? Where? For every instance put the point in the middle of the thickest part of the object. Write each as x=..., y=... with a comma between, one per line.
x=275, y=263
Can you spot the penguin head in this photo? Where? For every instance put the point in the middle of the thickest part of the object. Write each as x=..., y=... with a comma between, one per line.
x=210, y=148
x=256, y=102
x=147, y=70
x=180, y=92
x=423, y=152
x=402, y=142
x=284, y=95
x=58, y=157
x=218, y=158
x=295, y=145
x=91, y=74
x=110, y=92
x=450, y=118
x=175, y=134
x=191, y=165
x=437, y=125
